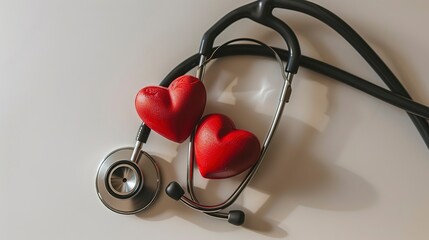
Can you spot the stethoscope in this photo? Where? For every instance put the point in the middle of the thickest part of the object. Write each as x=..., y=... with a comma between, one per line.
x=129, y=180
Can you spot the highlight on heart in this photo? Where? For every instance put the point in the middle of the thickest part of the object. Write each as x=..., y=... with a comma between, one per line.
x=221, y=150
x=172, y=112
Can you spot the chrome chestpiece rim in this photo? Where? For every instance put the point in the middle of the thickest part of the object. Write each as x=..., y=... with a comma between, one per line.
x=120, y=184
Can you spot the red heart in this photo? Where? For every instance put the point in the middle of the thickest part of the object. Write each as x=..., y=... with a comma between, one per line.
x=172, y=112
x=221, y=150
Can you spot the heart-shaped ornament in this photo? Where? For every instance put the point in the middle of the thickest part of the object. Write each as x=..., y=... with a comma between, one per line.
x=221, y=150
x=172, y=112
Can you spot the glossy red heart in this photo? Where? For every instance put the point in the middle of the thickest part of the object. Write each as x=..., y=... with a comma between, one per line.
x=221, y=150
x=172, y=112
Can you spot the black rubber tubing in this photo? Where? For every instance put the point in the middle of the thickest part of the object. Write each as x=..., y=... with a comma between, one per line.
x=359, y=44
x=261, y=9
x=354, y=39
x=413, y=108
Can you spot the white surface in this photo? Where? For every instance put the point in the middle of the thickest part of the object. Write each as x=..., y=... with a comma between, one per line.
x=342, y=166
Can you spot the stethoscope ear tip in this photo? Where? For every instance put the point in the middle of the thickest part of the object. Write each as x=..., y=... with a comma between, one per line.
x=236, y=217
x=174, y=190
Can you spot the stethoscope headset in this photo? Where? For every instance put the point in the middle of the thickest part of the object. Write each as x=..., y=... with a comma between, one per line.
x=128, y=180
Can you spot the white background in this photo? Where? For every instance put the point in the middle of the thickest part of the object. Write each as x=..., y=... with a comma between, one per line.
x=343, y=165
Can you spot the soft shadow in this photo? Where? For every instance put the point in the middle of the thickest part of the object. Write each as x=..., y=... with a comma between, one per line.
x=163, y=206
x=293, y=176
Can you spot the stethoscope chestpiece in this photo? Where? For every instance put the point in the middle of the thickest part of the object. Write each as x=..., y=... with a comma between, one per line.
x=127, y=187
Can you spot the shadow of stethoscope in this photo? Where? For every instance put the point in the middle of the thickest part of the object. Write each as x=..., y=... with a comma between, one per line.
x=293, y=174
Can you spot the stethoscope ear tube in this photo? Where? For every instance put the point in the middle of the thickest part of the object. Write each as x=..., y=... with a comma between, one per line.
x=175, y=191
